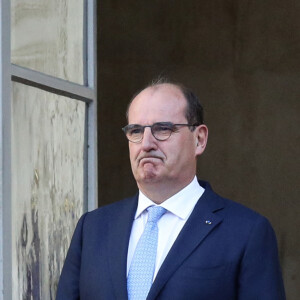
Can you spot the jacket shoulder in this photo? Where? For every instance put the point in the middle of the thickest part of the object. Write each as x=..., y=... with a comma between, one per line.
x=231, y=209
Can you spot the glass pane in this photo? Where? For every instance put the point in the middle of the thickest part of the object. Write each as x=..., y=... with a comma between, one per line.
x=47, y=36
x=48, y=140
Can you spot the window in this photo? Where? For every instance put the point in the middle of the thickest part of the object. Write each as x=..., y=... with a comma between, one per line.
x=48, y=140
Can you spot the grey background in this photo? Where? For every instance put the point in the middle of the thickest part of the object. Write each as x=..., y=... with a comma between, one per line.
x=242, y=58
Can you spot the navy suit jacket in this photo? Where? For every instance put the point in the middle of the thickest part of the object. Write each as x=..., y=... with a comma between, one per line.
x=225, y=251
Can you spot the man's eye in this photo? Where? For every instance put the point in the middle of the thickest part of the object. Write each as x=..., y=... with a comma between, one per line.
x=163, y=128
x=135, y=131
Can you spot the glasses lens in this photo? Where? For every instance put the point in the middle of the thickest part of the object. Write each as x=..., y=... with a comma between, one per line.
x=162, y=131
x=134, y=133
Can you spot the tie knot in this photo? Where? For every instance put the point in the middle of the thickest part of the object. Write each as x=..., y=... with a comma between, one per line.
x=155, y=213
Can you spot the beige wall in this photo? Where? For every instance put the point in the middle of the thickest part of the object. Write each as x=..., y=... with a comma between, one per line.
x=242, y=58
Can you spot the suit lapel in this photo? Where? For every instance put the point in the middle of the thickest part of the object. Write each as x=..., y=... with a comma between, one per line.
x=201, y=222
x=119, y=233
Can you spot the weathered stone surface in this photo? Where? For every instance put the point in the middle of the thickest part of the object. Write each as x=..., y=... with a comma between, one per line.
x=48, y=134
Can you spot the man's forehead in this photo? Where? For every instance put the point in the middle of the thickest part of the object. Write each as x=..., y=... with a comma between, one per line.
x=166, y=88
x=152, y=105
x=161, y=93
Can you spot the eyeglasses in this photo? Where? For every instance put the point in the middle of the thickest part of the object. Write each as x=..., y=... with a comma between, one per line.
x=160, y=130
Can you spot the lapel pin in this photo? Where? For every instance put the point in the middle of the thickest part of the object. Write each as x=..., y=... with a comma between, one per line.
x=208, y=222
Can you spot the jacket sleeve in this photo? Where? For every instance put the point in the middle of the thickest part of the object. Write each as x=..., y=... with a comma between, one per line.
x=260, y=274
x=68, y=286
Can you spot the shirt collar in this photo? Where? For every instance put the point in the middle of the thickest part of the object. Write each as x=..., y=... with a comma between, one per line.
x=180, y=204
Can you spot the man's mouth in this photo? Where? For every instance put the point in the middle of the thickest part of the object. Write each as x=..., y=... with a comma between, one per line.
x=149, y=159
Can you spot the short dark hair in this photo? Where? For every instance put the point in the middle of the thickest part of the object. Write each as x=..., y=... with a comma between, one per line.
x=194, y=110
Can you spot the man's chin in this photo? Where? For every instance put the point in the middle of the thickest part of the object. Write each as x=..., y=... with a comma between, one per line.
x=148, y=177
x=148, y=173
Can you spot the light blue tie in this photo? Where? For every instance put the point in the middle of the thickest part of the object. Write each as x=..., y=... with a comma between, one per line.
x=142, y=265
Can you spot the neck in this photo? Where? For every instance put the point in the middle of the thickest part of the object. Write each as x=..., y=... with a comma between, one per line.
x=160, y=192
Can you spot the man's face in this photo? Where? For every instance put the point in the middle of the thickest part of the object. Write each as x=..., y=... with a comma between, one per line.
x=170, y=161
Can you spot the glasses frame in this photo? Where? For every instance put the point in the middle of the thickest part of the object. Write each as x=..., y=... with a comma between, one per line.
x=173, y=128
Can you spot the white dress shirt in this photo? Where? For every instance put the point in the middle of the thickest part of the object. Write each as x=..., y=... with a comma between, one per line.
x=179, y=207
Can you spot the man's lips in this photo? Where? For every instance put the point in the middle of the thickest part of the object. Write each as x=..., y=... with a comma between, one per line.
x=149, y=159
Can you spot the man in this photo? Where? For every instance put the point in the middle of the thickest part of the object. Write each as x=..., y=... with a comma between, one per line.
x=205, y=246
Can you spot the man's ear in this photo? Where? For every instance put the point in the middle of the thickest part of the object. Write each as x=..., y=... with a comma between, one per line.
x=201, y=134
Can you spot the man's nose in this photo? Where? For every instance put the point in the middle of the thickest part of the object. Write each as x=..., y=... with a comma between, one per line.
x=148, y=142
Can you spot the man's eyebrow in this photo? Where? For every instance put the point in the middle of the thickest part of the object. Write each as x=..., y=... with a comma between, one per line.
x=163, y=123
x=134, y=125
x=156, y=123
